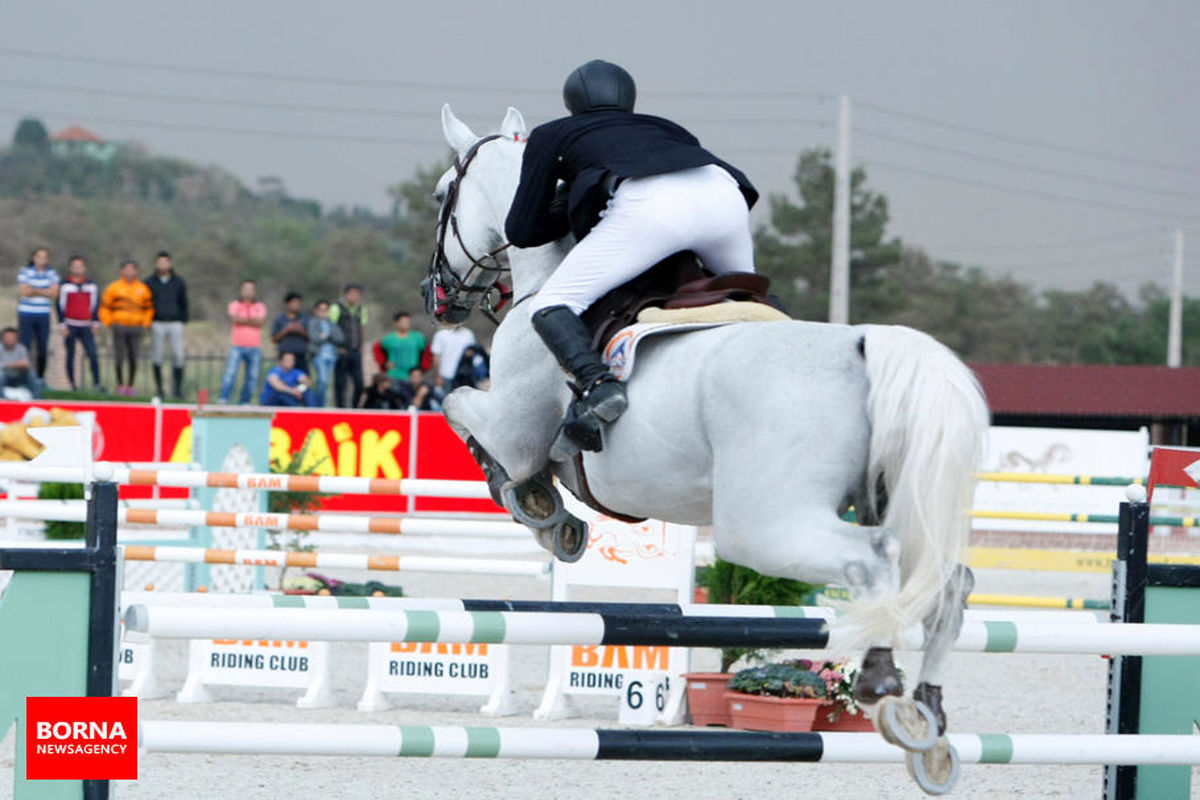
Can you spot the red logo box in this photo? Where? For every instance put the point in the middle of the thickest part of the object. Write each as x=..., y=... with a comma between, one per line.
x=81, y=738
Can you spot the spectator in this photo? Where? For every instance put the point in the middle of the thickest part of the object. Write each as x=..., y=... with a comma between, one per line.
x=381, y=394
x=323, y=339
x=170, y=315
x=447, y=349
x=417, y=394
x=78, y=310
x=14, y=358
x=248, y=316
x=290, y=330
x=350, y=315
x=286, y=384
x=37, y=287
x=473, y=368
x=128, y=309
x=402, y=347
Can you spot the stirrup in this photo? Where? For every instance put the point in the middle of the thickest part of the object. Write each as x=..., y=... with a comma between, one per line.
x=605, y=398
x=580, y=430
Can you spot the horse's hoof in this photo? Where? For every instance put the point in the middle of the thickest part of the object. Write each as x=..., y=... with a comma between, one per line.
x=936, y=771
x=545, y=538
x=570, y=539
x=906, y=724
x=535, y=503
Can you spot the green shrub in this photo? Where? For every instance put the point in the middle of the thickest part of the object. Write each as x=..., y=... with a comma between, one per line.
x=785, y=679
x=731, y=584
x=62, y=491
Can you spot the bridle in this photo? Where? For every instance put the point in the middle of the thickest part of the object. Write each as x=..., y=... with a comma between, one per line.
x=446, y=294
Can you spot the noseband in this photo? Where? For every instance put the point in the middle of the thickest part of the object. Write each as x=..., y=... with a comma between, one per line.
x=446, y=287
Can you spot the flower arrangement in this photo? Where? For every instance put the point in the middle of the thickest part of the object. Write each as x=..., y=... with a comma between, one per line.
x=832, y=681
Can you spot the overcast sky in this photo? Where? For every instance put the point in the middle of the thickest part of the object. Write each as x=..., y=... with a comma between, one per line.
x=1056, y=141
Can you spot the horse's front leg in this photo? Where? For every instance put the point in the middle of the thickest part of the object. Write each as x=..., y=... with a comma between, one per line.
x=525, y=489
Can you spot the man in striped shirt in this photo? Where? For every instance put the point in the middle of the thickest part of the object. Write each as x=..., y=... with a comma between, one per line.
x=37, y=287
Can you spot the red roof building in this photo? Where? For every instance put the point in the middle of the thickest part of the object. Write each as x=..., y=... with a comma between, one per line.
x=1165, y=399
x=75, y=133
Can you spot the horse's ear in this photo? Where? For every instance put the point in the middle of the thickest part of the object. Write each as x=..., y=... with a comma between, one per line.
x=457, y=134
x=513, y=125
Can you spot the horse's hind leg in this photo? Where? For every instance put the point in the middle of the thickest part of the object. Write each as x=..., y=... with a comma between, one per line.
x=942, y=627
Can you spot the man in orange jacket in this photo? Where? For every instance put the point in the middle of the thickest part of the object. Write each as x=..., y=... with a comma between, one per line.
x=128, y=308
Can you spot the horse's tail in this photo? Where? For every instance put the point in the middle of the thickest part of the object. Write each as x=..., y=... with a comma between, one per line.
x=928, y=421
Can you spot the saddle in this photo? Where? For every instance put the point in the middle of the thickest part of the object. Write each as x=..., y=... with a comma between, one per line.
x=678, y=281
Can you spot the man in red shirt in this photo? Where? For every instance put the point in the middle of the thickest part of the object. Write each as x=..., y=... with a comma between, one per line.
x=78, y=302
x=248, y=316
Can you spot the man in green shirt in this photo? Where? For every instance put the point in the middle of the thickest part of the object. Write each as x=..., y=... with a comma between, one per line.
x=403, y=347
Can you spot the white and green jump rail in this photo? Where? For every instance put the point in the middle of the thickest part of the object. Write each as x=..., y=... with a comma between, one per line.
x=419, y=741
x=630, y=625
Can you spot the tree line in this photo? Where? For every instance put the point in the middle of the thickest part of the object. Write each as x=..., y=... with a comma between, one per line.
x=219, y=231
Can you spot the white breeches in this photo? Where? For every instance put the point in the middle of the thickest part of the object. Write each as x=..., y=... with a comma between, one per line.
x=648, y=219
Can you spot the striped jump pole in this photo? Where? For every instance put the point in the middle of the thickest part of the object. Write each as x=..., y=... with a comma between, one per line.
x=1031, y=601
x=1064, y=516
x=421, y=741
x=348, y=523
x=383, y=563
x=331, y=602
x=266, y=481
x=1078, y=480
x=577, y=628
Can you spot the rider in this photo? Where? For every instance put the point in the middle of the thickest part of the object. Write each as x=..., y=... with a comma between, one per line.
x=637, y=189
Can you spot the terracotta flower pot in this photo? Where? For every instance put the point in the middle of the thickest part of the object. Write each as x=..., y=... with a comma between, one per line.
x=834, y=717
x=700, y=595
x=706, y=697
x=754, y=712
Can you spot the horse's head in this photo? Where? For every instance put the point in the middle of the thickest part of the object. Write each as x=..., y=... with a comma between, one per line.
x=474, y=195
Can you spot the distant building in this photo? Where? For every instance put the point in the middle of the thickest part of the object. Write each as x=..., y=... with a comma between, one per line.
x=79, y=141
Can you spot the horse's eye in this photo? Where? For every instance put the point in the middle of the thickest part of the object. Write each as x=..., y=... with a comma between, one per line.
x=438, y=197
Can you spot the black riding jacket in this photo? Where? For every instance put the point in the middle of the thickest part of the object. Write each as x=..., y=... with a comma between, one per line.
x=583, y=151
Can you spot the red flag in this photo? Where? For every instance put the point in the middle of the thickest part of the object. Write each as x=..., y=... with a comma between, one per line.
x=1174, y=466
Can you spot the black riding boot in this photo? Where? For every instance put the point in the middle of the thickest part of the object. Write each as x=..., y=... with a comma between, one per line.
x=601, y=395
x=158, y=380
x=177, y=382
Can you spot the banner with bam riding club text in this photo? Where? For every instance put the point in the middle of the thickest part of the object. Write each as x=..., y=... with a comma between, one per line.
x=368, y=444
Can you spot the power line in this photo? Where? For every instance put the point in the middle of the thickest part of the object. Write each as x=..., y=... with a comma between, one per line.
x=180, y=99
x=128, y=122
x=1003, y=162
x=376, y=83
x=1058, y=198
x=214, y=101
x=1002, y=137
x=1084, y=262
x=1072, y=243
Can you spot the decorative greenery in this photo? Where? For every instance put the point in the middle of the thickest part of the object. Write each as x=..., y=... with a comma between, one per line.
x=293, y=502
x=62, y=491
x=785, y=679
x=732, y=584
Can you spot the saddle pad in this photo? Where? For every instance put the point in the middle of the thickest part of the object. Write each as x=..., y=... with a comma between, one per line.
x=621, y=348
x=730, y=311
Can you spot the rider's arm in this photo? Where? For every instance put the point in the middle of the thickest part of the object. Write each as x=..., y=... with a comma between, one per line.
x=530, y=221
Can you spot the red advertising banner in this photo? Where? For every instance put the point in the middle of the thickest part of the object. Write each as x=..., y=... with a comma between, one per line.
x=369, y=444
x=81, y=738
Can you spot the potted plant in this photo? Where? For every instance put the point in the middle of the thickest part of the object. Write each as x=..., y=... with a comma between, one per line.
x=841, y=711
x=776, y=697
x=731, y=584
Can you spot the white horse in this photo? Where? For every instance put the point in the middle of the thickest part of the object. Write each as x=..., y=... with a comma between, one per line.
x=767, y=431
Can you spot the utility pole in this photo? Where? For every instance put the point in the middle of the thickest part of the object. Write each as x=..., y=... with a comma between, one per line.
x=1175, y=323
x=839, y=273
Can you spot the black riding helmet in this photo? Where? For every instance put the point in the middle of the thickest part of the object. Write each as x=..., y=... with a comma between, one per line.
x=599, y=86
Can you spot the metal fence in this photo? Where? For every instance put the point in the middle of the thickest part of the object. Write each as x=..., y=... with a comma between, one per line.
x=201, y=371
